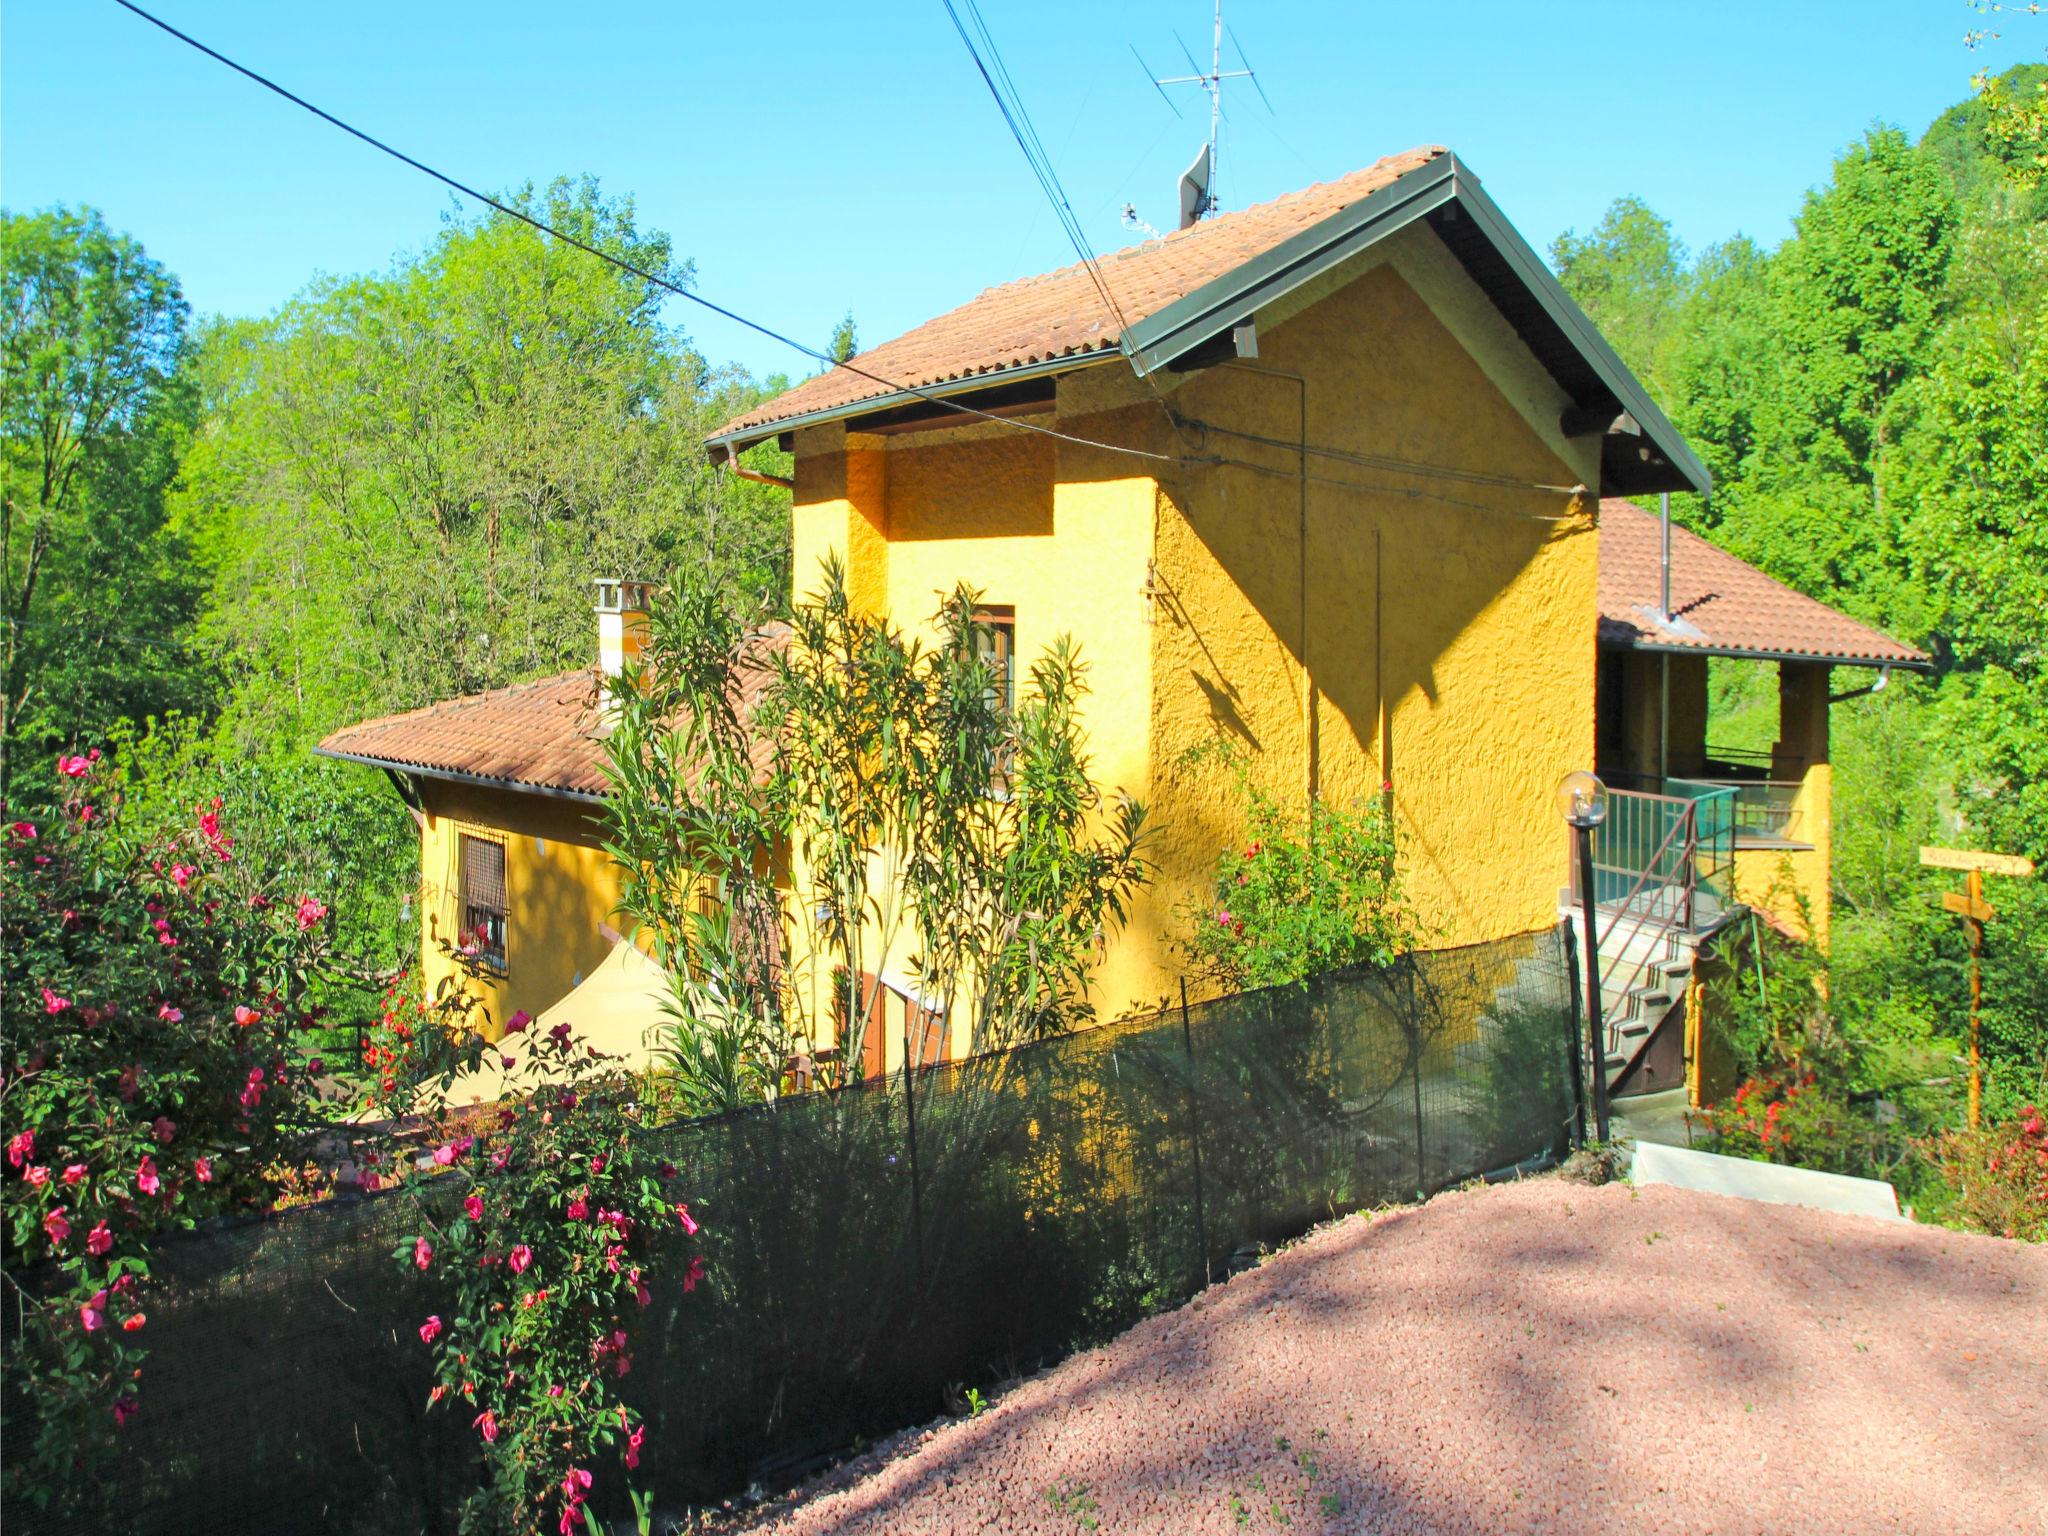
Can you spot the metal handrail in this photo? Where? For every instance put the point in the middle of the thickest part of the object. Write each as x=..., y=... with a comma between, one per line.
x=1616, y=1004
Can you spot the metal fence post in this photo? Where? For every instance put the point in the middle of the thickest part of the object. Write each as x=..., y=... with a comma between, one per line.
x=1187, y=1040
x=910, y=1136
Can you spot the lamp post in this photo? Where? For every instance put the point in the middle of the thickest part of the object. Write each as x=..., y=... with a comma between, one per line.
x=1582, y=801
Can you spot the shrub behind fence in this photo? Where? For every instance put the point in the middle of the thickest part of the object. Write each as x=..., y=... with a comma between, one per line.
x=1051, y=1196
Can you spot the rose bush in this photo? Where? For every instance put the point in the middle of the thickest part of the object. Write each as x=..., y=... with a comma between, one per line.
x=568, y=1224
x=152, y=988
x=1998, y=1175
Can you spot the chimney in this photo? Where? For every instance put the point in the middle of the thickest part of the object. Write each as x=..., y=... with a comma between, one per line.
x=621, y=623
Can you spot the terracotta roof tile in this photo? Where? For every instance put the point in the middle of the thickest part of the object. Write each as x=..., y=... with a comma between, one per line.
x=541, y=735
x=1722, y=604
x=1060, y=314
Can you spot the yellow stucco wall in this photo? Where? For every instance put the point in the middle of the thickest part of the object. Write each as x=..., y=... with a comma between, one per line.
x=560, y=888
x=1432, y=631
x=1441, y=633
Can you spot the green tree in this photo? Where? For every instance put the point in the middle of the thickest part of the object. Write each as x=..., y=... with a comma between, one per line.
x=1631, y=277
x=845, y=340
x=408, y=480
x=96, y=594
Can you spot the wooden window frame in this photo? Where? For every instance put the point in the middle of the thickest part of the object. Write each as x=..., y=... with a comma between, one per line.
x=995, y=642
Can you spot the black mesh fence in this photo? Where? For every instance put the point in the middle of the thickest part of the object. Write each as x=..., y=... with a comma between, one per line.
x=857, y=1278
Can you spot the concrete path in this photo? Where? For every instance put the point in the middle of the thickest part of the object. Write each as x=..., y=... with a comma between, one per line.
x=1712, y=1174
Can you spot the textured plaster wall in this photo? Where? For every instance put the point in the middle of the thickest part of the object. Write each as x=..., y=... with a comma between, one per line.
x=560, y=887
x=1774, y=881
x=1400, y=628
x=1059, y=533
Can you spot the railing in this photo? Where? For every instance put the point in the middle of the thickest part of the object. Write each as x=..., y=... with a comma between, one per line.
x=1662, y=867
x=1766, y=810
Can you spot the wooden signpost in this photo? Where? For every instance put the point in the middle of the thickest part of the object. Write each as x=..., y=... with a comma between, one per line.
x=1969, y=904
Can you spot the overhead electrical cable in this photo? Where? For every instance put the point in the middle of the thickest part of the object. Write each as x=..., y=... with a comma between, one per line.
x=1184, y=461
x=1010, y=102
x=654, y=278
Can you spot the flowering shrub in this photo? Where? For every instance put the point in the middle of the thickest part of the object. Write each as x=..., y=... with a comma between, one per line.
x=569, y=1223
x=151, y=989
x=1999, y=1175
x=1793, y=1115
x=1303, y=894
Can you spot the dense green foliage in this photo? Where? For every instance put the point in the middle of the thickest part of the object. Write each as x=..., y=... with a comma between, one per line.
x=394, y=490
x=1872, y=397
x=934, y=830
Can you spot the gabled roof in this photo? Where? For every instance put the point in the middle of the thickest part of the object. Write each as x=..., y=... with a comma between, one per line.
x=543, y=737
x=1192, y=286
x=1721, y=606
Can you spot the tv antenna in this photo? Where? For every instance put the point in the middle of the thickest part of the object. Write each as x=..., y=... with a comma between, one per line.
x=1198, y=182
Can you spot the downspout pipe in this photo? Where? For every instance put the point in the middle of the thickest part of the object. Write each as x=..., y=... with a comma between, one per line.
x=760, y=477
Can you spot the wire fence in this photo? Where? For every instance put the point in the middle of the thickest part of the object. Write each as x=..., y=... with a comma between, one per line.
x=1060, y=1192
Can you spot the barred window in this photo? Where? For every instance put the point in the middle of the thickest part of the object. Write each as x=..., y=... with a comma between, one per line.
x=483, y=900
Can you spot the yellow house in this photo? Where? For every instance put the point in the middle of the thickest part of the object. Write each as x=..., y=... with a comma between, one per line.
x=1321, y=478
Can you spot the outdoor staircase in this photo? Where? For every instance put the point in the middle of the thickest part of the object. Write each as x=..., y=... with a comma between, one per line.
x=1646, y=963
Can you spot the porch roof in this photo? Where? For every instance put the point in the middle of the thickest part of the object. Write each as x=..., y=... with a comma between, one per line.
x=1721, y=606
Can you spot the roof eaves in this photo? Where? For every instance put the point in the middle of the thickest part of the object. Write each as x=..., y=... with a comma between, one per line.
x=1578, y=329
x=1754, y=653
x=455, y=776
x=746, y=437
x=1157, y=339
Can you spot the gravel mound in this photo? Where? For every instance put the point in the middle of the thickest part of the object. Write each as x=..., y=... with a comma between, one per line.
x=1534, y=1357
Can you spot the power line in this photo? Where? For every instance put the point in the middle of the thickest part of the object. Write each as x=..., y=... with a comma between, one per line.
x=654, y=278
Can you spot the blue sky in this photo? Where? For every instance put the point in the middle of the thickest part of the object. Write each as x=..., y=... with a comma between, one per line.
x=816, y=158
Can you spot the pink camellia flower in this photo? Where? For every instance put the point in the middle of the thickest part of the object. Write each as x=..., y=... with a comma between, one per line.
x=597, y=1164
x=554, y=1391
x=73, y=767
x=171, y=1015
x=52, y=1003
x=94, y=1312
x=633, y=1443
x=694, y=1273
x=578, y=1208
x=163, y=1128
x=486, y=1424
x=310, y=912
x=20, y=1148
x=37, y=1176
x=521, y=1258
x=245, y=1015
x=99, y=1239
x=518, y=1022
x=24, y=831
x=74, y=1172
x=57, y=1226
x=125, y=1408
x=444, y=1156
x=473, y=1207
x=422, y=1252
x=181, y=875
x=202, y=1169
x=133, y=1322
x=145, y=1176
x=683, y=1215
x=1223, y=917
x=430, y=1330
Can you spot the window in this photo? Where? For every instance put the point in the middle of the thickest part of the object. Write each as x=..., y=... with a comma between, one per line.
x=482, y=900
x=995, y=642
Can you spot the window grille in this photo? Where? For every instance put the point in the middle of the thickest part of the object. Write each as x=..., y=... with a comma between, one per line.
x=483, y=900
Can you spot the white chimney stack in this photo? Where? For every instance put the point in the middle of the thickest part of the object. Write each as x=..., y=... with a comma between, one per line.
x=621, y=623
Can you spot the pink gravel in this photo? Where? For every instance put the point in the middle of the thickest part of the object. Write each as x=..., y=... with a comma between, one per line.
x=1535, y=1357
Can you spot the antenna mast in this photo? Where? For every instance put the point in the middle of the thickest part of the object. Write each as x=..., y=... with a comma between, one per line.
x=1210, y=80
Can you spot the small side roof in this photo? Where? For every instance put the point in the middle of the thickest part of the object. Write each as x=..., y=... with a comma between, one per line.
x=543, y=737
x=1187, y=288
x=1721, y=606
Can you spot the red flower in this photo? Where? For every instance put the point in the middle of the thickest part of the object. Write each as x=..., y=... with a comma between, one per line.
x=422, y=1252
x=133, y=1322
x=486, y=1424
x=99, y=1239
x=522, y=1256
x=473, y=1207
x=430, y=1330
